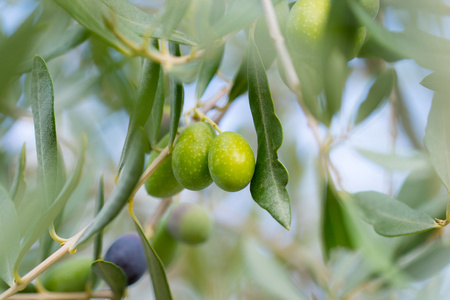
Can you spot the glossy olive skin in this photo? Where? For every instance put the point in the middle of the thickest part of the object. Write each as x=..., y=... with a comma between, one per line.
x=231, y=161
x=128, y=253
x=162, y=182
x=68, y=276
x=189, y=223
x=190, y=156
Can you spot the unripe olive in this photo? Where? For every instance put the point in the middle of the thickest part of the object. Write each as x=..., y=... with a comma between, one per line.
x=68, y=276
x=162, y=182
x=189, y=223
x=231, y=161
x=164, y=244
x=128, y=253
x=190, y=156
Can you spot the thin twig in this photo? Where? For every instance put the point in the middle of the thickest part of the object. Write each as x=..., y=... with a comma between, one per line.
x=63, y=296
x=18, y=286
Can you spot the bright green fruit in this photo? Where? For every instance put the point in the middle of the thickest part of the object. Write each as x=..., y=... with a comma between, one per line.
x=306, y=25
x=231, y=161
x=164, y=244
x=371, y=6
x=162, y=182
x=189, y=223
x=190, y=156
x=68, y=276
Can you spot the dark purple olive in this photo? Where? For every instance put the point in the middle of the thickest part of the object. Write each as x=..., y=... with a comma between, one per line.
x=127, y=252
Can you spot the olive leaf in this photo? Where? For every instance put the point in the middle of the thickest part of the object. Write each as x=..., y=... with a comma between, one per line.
x=240, y=82
x=153, y=124
x=44, y=127
x=144, y=102
x=113, y=275
x=19, y=184
x=49, y=215
x=156, y=268
x=133, y=23
x=268, y=186
x=9, y=236
x=437, y=81
x=172, y=15
x=209, y=66
x=391, y=217
x=379, y=91
x=131, y=172
x=176, y=95
x=437, y=137
x=333, y=213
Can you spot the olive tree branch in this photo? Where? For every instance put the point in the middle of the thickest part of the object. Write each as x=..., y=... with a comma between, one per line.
x=106, y=294
x=30, y=276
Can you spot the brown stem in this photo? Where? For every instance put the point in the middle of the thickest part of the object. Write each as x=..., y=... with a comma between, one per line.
x=63, y=296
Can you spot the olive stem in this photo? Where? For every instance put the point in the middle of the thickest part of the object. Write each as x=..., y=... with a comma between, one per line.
x=30, y=276
x=202, y=116
x=106, y=294
x=55, y=236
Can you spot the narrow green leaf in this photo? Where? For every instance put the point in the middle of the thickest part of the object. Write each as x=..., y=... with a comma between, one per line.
x=19, y=184
x=155, y=267
x=144, y=103
x=411, y=43
x=153, y=124
x=209, y=66
x=419, y=187
x=379, y=92
x=437, y=137
x=240, y=82
x=44, y=127
x=268, y=186
x=395, y=162
x=131, y=172
x=238, y=15
x=9, y=236
x=72, y=37
x=268, y=273
x=406, y=118
x=133, y=23
x=391, y=217
x=334, y=229
x=176, y=95
x=428, y=263
x=54, y=209
x=335, y=77
x=437, y=81
x=173, y=13
x=113, y=275
x=98, y=241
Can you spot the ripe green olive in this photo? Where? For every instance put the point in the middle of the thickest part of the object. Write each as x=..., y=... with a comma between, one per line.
x=307, y=23
x=162, y=182
x=68, y=276
x=189, y=223
x=231, y=161
x=190, y=156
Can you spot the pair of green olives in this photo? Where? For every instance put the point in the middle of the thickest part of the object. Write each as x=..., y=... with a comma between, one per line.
x=199, y=158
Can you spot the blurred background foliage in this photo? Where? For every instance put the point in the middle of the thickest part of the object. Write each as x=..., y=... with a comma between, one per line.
x=249, y=255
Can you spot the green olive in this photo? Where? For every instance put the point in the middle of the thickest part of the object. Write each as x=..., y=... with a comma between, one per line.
x=231, y=161
x=189, y=223
x=190, y=156
x=68, y=276
x=162, y=182
x=164, y=244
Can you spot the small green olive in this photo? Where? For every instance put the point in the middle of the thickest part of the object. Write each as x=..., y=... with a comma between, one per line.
x=189, y=223
x=68, y=276
x=190, y=156
x=164, y=244
x=162, y=182
x=231, y=161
